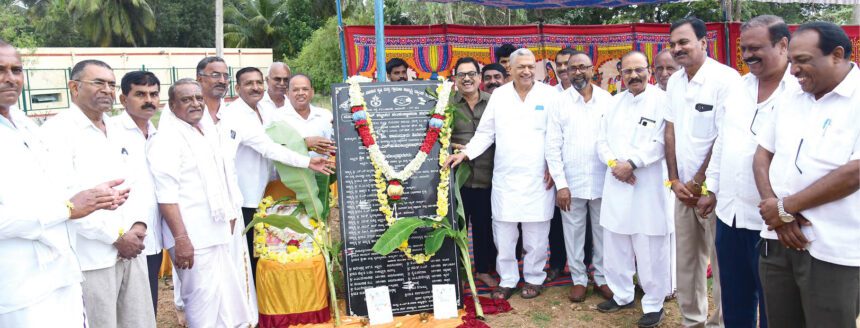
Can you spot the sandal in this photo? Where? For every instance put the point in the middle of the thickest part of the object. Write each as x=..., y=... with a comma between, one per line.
x=500, y=293
x=530, y=291
x=487, y=279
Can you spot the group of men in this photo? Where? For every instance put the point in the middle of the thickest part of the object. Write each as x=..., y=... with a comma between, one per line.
x=765, y=170
x=86, y=195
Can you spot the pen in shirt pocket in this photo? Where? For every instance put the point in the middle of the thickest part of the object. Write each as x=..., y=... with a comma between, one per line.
x=825, y=126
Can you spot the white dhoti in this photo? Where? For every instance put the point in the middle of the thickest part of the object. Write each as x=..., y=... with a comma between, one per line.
x=651, y=254
x=242, y=258
x=535, y=242
x=62, y=308
x=211, y=291
x=119, y=295
x=574, y=240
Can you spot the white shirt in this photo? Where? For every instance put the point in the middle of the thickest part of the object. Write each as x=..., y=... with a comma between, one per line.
x=729, y=173
x=518, y=129
x=632, y=128
x=178, y=180
x=696, y=108
x=35, y=251
x=829, y=129
x=252, y=169
x=93, y=157
x=269, y=104
x=142, y=203
x=571, y=142
x=234, y=129
x=560, y=88
x=318, y=124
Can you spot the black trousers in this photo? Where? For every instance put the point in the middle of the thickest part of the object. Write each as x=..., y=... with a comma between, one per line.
x=478, y=210
x=153, y=265
x=557, y=249
x=248, y=215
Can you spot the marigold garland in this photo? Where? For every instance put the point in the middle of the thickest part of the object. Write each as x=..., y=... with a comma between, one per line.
x=388, y=182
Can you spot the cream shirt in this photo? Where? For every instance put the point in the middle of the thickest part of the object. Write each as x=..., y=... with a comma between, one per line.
x=809, y=139
x=632, y=128
x=318, y=124
x=35, y=251
x=518, y=129
x=269, y=104
x=571, y=139
x=253, y=171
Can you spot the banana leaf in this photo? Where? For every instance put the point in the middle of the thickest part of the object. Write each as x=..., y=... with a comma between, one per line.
x=460, y=177
x=396, y=234
x=301, y=180
x=434, y=240
x=290, y=221
x=323, y=183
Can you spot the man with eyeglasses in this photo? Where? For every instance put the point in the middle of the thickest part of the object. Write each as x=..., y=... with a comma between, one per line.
x=472, y=102
x=571, y=156
x=664, y=67
x=90, y=149
x=635, y=211
x=807, y=170
x=277, y=79
x=699, y=96
x=764, y=46
x=41, y=285
x=493, y=76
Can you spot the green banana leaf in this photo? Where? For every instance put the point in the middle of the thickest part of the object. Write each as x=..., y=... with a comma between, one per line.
x=460, y=177
x=323, y=182
x=290, y=221
x=396, y=234
x=434, y=240
x=301, y=180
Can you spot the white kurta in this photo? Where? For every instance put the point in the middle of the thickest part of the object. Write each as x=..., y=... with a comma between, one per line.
x=518, y=129
x=633, y=129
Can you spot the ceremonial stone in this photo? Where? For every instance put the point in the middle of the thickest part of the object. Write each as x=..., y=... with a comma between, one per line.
x=399, y=112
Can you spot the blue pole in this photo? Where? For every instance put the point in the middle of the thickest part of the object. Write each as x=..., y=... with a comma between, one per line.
x=342, y=40
x=380, y=40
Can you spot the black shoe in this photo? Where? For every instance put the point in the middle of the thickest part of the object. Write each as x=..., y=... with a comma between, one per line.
x=610, y=306
x=652, y=319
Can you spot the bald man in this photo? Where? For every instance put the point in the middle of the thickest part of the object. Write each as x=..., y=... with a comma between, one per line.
x=277, y=82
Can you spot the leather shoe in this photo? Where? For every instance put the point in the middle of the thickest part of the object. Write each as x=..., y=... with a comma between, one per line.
x=605, y=292
x=577, y=293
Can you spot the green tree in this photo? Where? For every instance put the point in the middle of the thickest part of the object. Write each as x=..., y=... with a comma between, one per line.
x=252, y=23
x=320, y=58
x=114, y=22
x=52, y=16
x=16, y=29
x=188, y=23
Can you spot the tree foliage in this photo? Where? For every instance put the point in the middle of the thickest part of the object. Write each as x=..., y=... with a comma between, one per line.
x=114, y=22
x=183, y=24
x=16, y=29
x=320, y=58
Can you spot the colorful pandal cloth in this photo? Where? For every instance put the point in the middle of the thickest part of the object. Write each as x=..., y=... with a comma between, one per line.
x=292, y=293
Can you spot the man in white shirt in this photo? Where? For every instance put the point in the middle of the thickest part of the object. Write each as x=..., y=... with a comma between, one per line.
x=635, y=212
x=807, y=170
x=561, y=63
x=516, y=120
x=312, y=122
x=764, y=42
x=140, y=99
x=42, y=286
x=116, y=286
x=277, y=82
x=571, y=156
x=664, y=67
x=493, y=76
x=199, y=205
x=698, y=98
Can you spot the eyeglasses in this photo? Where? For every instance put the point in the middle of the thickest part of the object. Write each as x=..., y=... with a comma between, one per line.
x=638, y=70
x=217, y=75
x=798, y=155
x=278, y=79
x=471, y=74
x=581, y=68
x=100, y=84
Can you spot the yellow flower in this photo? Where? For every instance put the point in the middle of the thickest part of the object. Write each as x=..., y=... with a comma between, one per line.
x=313, y=223
x=404, y=244
x=260, y=239
x=291, y=249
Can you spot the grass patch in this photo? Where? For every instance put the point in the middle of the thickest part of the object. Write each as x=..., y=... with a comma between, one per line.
x=586, y=317
x=540, y=319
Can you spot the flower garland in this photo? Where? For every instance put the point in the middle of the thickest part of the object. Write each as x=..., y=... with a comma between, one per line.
x=389, y=183
x=273, y=243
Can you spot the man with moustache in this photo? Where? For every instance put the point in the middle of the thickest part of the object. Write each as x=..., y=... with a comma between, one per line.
x=277, y=79
x=472, y=102
x=397, y=70
x=313, y=123
x=42, y=285
x=807, y=170
x=493, y=76
x=635, y=213
x=664, y=67
x=140, y=99
x=516, y=120
x=571, y=156
x=198, y=204
x=561, y=60
x=698, y=98
x=764, y=46
x=89, y=147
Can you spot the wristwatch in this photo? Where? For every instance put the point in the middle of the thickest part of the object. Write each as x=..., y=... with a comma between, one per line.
x=783, y=215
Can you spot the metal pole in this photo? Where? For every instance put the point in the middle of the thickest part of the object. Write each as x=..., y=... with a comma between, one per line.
x=342, y=39
x=379, y=16
x=219, y=28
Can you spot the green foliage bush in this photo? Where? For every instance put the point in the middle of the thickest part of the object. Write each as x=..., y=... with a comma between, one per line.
x=320, y=58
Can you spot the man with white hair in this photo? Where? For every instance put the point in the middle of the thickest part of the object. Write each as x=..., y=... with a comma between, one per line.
x=277, y=82
x=516, y=121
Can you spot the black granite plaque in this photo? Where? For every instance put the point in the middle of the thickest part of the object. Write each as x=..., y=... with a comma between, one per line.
x=399, y=114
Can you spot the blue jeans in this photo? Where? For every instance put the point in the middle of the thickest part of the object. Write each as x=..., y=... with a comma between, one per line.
x=737, y=253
